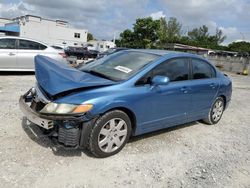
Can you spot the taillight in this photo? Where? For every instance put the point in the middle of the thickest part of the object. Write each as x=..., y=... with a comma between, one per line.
x=63, y=55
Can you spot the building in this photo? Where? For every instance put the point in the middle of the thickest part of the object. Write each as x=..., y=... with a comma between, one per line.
x=203, y=51
x=100, y=45
x=3, y=21
x=188, y=48
x=52, y=32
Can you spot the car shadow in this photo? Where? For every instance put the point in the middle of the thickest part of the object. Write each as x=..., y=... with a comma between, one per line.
x=36, y=135
x=15, y=73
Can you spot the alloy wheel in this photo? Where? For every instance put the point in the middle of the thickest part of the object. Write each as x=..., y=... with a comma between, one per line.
x=217, y=110
x=112, y=135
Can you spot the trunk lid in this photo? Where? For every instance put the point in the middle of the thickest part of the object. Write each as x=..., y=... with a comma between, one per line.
x=55, y=77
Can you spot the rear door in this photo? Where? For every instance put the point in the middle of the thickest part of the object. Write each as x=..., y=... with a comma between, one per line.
x=27, y=50
x=204, y=88
x=8, y=54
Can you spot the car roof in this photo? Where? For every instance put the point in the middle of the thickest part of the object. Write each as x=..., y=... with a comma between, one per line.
x=15, y=37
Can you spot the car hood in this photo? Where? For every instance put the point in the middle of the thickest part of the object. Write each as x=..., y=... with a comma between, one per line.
x=55, y=77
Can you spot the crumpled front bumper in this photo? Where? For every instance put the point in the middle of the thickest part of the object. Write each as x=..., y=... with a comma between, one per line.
x=69, y=131
x=44, y=121
x=33, y=116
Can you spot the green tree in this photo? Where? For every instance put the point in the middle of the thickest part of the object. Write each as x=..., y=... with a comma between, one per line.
x=220, y=38
x=201, y=37
x=127, y=39
x=162, y=34
x=169, y=31
x=173, y=29
x=239, y=46
x=149, y=33
x=90, y=37
x=144, y=34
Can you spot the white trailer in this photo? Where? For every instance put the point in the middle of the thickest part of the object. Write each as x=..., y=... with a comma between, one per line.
x=100, y=45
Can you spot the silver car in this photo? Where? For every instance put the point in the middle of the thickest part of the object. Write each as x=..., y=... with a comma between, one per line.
x=17, y=54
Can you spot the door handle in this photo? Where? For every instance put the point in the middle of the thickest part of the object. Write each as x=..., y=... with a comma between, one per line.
x=184, y=89
x=212, y=85
x=11, y=54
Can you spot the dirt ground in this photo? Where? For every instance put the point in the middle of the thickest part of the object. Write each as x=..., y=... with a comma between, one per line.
x=192, y=155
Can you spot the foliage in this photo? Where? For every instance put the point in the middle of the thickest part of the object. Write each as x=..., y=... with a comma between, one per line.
x=144, y=34
x=127, y=38
x=239, y=46
x=149, y=33
x=169, y=31
x=201, y=37
x=90, y=37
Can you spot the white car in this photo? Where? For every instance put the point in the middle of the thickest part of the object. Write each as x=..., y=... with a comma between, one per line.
x=17, y=54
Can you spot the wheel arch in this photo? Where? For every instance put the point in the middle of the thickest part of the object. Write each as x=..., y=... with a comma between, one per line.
x=224, y=99
x=130, y=114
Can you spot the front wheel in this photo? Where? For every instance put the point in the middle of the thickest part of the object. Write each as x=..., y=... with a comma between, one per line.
x=110, y=134
x=216, y=111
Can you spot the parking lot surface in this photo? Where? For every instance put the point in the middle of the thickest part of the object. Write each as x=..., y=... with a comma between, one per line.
x=191, y=155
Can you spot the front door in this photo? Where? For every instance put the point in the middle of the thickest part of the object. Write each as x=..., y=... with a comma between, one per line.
x=167, y=105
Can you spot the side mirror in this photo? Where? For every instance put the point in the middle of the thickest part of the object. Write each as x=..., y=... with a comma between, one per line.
x=160, y=80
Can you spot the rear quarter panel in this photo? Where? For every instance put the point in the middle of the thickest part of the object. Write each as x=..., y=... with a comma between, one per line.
x=225, y=87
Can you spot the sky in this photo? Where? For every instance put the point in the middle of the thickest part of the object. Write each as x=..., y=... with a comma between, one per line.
x=106, y=18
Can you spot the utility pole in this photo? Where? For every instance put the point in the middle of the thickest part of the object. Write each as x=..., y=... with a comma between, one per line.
x=114, y=37
x=243, y=36
x=187, y=31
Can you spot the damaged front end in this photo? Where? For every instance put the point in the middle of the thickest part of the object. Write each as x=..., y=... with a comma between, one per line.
x=68, y=130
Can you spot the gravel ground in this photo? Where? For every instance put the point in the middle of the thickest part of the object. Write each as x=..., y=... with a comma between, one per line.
x=192, y=155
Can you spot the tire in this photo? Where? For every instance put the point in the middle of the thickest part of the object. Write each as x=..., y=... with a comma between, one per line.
x=216, y=111
x=109, y=134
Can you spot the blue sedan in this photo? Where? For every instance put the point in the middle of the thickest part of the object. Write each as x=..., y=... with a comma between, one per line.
x=132, y=92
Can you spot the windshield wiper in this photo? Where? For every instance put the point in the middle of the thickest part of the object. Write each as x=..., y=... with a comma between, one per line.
x=99, y=74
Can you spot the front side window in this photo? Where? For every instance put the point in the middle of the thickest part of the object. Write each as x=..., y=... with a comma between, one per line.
x=176, y=69
x=30, y=45
x=7, y=43
x=202, y=70
x=120, y=66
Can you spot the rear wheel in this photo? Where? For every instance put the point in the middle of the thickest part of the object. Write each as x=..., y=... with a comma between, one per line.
x=110, y=134
x=215, y=112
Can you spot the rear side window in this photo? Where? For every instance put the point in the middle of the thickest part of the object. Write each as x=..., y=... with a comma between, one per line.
x=202, y=70
x=7, y=43
x=30, y=45
x=176, y=69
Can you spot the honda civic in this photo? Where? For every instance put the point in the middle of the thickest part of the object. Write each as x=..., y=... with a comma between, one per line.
x=132, y=92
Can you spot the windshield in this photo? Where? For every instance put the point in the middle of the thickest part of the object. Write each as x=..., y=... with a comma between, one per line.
x=119, y=66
